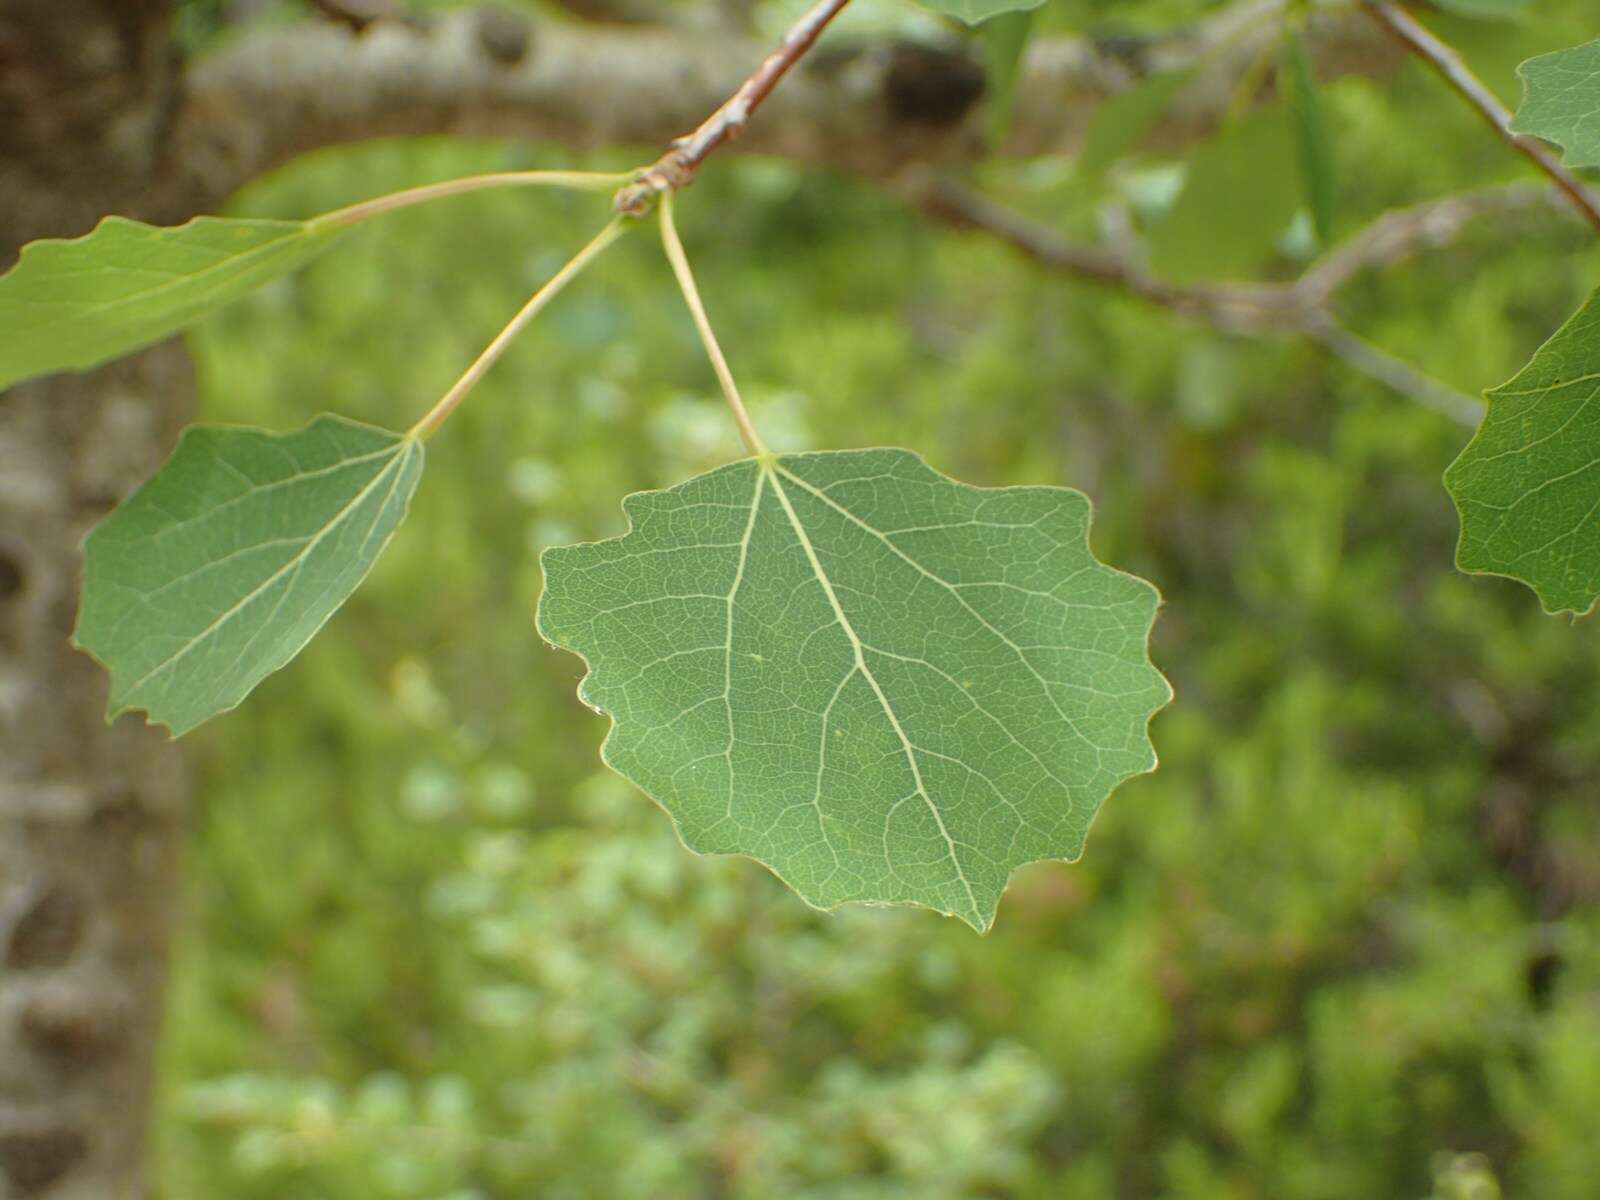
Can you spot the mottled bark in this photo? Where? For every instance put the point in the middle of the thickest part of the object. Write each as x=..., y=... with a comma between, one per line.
x=89, y=813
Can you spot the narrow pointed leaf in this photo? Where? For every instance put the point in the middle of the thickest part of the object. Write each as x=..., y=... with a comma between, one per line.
x=1005, y=40
x=1121, y=122
x=1313, y=138
x=1561, y=102
x=974, y=12
x=1528, y=484
x=888, y=686
x=70, y=304
x=229, y=559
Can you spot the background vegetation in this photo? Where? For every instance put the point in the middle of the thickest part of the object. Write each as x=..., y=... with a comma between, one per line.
x=1344, y=943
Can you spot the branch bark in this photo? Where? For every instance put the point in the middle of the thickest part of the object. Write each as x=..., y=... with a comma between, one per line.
x=90, y=814
x=1301, y=307
x=281, y=92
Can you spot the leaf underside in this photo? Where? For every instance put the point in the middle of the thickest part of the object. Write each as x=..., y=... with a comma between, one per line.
x=71, y=304
x=1561, y=102
x=219, y=569
x=887, y=686
x=1528, y=484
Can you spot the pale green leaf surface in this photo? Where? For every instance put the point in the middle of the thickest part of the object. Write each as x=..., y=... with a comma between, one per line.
x=1005, y=40
x=70, y=304
x=222, y=566
x=1313, y=138
x=1485, y=10
x=976, y=11
x=1120, y=122
x=1492, y=10
x=1561, y=102
x=1238, y=197
x=887, y=686
x=1528, y=484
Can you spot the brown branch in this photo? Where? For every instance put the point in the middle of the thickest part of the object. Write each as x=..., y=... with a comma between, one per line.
x=1300, y=307
x=1410, y=33
x=1400, y=233
x=676, y=168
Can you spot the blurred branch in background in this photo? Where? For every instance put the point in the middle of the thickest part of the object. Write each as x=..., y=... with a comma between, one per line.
x=1301, y=306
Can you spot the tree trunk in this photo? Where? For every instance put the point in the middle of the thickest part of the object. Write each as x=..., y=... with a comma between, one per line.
x=90, y=814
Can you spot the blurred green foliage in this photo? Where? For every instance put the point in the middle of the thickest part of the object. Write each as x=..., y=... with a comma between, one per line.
x=1345, y=943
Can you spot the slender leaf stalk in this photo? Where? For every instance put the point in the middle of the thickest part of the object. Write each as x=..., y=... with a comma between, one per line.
x=697, y=309
x=441, y=411
x=587, y=181
x=1450, y=67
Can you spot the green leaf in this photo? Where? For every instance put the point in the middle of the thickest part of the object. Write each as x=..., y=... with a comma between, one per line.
x=1239, y=195
x=1313, y=137
x=1122, y=121
x=1005, y=39
x=1489, y=10
x=226, y=562
x=887, y=686
x=1561, y=102
x=975, y=11
x=1528, y=484
x=70, y=304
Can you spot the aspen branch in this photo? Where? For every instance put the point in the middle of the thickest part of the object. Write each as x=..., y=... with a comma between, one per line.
x=1301, y=307
x=676, y=168
x=1416, y=38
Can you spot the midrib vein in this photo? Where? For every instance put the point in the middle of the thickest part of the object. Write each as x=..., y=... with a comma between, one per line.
x=242, y=259
x=888, y=544
x=727, y=657
x=403, y=453
x=769, y=474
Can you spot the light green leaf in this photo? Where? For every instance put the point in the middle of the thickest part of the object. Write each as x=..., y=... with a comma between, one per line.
x=229, y=559
x=1238, y=197
x=1313, y=137
x=70, y=304
x=887, y=686
x=1005, y=39
x=1121, y=122
x=1561, y=102
x=1490, y=10
x=975, y=11
x=1528, y=484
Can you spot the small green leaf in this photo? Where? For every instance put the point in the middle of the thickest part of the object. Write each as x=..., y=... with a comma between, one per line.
x=1122, y=121
x=1005, y=39
x=887, y=686
x=226, y=562
x=1488, y=10
x=1528, y=484
x=1561, y=102
x=1313, y=137
x=1238, y=197
x=975, y=11
x=70, y=304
